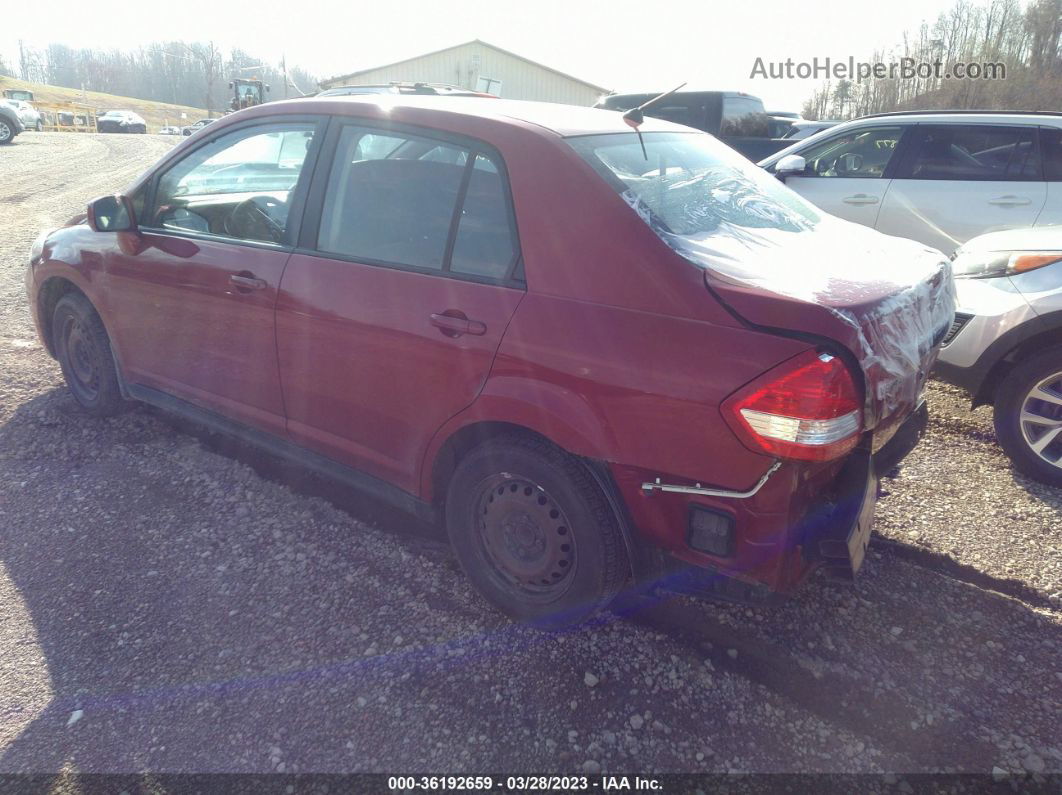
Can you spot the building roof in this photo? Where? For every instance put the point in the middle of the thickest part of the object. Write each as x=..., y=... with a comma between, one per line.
x=456, y=47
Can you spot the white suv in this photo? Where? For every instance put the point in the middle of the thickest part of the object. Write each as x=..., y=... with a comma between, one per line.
x=1005, y=344
x=938, y=177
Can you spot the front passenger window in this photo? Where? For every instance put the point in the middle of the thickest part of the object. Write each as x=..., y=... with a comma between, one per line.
x=238, y=186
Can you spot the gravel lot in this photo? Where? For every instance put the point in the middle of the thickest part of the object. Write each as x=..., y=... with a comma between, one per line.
x=171, y=602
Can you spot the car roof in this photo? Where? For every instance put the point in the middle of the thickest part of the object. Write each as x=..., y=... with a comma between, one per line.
x=564, y=120
x=963, y=117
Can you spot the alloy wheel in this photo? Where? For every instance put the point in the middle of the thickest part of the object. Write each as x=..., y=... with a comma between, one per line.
x=1040, y=419
x=5, y=132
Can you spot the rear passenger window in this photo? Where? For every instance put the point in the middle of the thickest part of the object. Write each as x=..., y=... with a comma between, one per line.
x=393, y=200
x=484, y=242
x=1051, y=146
x=974, y=152
x=387, y=202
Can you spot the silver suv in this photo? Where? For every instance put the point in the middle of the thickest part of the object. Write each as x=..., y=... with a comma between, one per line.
x=1005, y=344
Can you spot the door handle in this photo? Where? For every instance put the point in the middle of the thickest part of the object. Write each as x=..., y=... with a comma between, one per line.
x=860, y=198
x=247, y=281
x=456, y=324
x=1009, y=201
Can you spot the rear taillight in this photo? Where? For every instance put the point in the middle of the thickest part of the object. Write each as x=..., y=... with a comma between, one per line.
x=807, y=408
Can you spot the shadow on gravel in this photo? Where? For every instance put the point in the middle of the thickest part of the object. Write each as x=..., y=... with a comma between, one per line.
x=205, y=650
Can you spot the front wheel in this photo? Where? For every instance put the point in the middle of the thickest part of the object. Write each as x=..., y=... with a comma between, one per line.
x=1028, y=416
x=7, y=132
x=84, y=354
x=534, y=533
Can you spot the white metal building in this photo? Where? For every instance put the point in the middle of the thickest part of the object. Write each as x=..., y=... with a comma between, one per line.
x=483, y=67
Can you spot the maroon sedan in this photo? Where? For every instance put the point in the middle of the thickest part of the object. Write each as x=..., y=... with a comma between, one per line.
x=599, y=354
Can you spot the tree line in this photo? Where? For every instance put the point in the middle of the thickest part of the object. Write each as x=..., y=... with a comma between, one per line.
x=195, y=74
x=1025, y=39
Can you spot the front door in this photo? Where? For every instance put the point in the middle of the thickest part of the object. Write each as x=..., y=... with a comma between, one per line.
x=194, y=292
x=389, y=326
x=848, y=175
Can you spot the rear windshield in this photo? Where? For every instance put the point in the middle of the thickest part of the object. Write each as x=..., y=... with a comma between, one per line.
x=691, y=185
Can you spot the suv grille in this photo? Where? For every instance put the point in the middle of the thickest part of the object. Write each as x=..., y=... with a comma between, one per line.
x=956, y=326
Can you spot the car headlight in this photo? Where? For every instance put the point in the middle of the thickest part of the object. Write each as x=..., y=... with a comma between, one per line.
x=989, y=264
x=37, y=248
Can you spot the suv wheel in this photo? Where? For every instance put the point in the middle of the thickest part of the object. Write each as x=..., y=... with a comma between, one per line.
x=84, y=353
x=534, y=533
x=7, y=132
x=1028, y=416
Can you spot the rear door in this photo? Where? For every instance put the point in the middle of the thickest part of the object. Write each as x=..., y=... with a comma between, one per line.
x=958, y=181
x=848, y=175
x=392, y=308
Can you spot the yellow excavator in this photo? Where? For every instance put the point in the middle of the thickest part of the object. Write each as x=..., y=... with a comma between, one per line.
x=247, y=92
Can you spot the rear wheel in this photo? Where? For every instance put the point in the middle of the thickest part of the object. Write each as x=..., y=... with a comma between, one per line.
x=534, y=533
x=1028, y=416
x=84, y=353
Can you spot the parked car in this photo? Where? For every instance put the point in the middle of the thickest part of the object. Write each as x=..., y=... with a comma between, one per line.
x=735, y=118
x=803, y=128
x=596, y=365
x=406, y=89
x=120, y=121
x=27, y=114
x=10, y=123
x=197, y=126
x=779, y=126
x=1005, y=346
x=170, y=130
x=938, y=177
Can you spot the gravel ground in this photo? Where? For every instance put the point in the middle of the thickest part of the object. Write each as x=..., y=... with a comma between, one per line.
x=172, y=602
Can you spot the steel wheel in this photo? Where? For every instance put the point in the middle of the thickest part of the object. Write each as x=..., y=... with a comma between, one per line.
x=83, y=356
x=525, y=537
x=1041, y=419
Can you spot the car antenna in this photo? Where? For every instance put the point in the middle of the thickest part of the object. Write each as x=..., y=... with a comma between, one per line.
x=635, y=116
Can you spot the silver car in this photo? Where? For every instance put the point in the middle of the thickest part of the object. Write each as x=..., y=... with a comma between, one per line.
x=1005, y=344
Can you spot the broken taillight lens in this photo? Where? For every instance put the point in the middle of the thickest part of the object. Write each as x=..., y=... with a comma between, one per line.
x=807, y=409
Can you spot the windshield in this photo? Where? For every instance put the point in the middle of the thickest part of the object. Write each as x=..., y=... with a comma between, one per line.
x=692, y=185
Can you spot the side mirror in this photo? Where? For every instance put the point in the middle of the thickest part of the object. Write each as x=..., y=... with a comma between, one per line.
x=790, y=165
x=111, y=214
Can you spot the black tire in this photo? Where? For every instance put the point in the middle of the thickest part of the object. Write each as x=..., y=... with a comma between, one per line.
x=1011, y=397
x=7, y=132
x=534, y=533
x=84, y=353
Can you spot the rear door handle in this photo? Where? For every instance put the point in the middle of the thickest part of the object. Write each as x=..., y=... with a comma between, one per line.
x=1010, y=201
x=456, y=324
x=860, y=198
x=246, y=281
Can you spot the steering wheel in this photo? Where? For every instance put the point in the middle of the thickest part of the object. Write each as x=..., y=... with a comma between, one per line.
x=848, y=163
x=253, y=219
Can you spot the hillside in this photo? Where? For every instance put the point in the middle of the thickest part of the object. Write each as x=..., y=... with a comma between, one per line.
x=156, y=114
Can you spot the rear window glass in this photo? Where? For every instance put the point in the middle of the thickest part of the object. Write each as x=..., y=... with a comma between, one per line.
x=692, y=185
x=744, y=117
